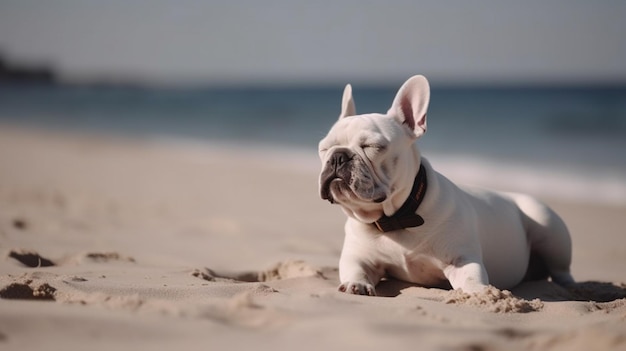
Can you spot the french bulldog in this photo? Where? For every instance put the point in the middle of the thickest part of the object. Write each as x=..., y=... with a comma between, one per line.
x=407, y=221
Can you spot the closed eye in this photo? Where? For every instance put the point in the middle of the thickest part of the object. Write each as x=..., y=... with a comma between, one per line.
x=323, y=147
x=374, y=147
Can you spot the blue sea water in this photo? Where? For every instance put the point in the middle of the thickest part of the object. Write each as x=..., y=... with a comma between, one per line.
x=556, y=139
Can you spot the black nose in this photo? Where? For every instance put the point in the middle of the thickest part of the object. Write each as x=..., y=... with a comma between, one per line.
x=338, y=159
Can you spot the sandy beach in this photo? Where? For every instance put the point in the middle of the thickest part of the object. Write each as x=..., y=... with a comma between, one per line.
x=112, y=243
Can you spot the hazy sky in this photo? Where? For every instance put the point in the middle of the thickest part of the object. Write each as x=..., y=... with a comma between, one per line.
x=322, y=40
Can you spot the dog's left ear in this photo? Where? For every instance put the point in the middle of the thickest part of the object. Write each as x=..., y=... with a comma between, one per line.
x=347, y=103
x=411, y=103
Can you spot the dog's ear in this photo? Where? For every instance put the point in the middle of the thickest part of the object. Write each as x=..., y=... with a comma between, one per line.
x=347, y=103
x=411, y=103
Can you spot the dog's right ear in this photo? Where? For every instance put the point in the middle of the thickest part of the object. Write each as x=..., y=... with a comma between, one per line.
x=347, y=103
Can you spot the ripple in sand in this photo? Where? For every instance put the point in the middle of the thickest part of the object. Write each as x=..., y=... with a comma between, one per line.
x=244, y=312
x=280, y=271
x=290, y=269
x=107, y=256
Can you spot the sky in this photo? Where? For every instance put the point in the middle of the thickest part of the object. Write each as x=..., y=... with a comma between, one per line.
x=293, y=41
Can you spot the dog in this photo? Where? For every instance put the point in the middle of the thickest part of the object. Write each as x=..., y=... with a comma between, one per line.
x=407, y=221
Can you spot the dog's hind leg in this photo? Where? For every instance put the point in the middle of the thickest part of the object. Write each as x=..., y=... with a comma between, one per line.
x=549, y=238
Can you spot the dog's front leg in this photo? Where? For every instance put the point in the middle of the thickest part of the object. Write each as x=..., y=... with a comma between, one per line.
x=358, y=277
x=468, y=275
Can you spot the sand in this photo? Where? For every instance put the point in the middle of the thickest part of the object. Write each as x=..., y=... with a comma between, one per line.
x=111, y=243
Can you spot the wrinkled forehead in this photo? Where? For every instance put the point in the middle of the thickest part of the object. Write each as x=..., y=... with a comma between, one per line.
x=369, y=128
x=348, y=129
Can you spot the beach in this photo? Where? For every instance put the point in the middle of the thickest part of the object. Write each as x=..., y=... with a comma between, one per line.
x=110, y=242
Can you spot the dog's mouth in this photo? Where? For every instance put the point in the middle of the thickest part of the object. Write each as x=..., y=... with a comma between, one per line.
x=338, y=186
x=335, y=177
x=337, y=183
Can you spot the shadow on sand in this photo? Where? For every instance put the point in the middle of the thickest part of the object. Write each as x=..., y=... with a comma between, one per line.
x=542, y=289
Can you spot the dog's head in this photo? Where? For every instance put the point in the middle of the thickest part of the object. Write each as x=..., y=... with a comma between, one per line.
x=369, y=161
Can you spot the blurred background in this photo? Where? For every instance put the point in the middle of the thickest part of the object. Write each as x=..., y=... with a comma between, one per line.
x=526, y=93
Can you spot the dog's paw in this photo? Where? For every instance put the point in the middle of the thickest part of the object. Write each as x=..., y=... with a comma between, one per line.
x=357, y=288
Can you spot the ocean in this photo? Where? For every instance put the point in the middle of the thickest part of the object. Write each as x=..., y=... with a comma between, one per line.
x=564, y=142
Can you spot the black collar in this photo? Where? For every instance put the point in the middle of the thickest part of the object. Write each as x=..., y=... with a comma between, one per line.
x=406, y=217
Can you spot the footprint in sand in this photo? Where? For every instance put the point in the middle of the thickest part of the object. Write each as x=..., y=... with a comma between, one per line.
x=30, y=258
x=19, y=223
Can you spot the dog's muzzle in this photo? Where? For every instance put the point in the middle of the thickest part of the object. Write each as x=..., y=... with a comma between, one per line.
x=337, y=168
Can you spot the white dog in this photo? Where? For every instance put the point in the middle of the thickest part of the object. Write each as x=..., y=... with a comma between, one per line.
x=409, y=222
